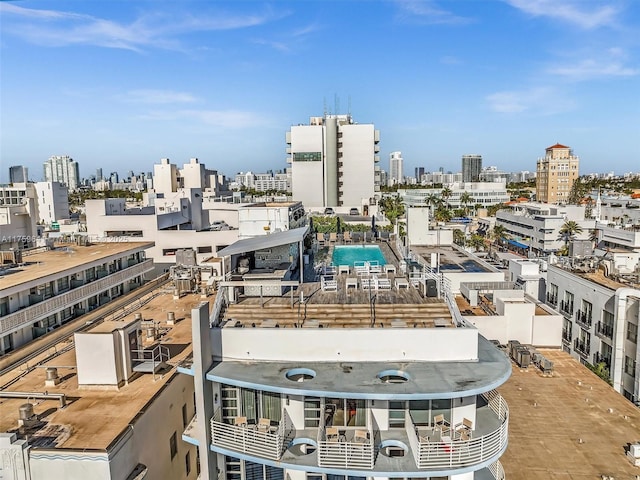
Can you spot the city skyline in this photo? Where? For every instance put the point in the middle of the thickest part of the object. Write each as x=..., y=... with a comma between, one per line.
x=120, y=88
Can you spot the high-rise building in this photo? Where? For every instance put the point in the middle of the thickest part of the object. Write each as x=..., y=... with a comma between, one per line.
x=471, y=168
x=333, y=161
x=396, y=173
x=419, y=173
x=99, y=177
x=62, y=169
x=555, y=174
x=18, y=174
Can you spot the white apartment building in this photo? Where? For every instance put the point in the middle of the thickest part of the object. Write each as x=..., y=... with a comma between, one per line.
x=108, y=403
x=333, y=162
x=53, y=202
x=62, y=169
x=49, y=287
x=264, y=218
x=440, y=177
x=396, y=170
x=537, y=225
x=263, y=182
x=482, y=193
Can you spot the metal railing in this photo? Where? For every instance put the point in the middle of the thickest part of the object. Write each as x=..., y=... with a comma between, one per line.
x=219, y=304
x=584, y=318
x=582, y=347
x=53, y=305
x=343, y=454
x=497, y=471
x=566, y=307
x=604, y=330
x=458, y=453
x=248, y=439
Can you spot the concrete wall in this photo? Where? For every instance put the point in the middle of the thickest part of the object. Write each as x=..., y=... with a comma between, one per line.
x=358, y=165
x=307, y=178
x=457, y=278
x=97, y=359
x=445, y=344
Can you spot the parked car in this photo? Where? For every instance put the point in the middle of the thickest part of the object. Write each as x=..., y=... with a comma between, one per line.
x=328, y=211
x=354, y=211
x=218, y=225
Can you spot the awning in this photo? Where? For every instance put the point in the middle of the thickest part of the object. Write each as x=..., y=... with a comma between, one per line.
x=264, y=241
x=517, y=244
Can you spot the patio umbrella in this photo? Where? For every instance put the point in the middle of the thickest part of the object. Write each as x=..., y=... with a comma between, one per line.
x=338, y=225
x=373, y=225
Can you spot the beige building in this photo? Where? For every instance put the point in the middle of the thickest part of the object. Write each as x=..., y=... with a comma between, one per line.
x=556, y=173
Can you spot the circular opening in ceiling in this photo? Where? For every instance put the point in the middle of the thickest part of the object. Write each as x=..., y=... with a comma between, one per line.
x=300, y=374
x=393, y=376
x=303, y=446
x=393, y=448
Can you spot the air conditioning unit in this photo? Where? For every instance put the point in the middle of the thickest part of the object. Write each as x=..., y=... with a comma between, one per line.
x=263, y=252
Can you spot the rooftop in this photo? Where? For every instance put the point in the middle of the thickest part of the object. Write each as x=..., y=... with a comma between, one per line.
x=94, y=418
x=597, y=276
x=571, y=425
x=62, y=258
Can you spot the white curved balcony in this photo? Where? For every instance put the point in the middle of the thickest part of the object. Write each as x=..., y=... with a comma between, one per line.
x=440, y=454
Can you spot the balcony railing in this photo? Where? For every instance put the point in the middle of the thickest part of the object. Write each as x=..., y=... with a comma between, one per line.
x=248, y=439
x=552, y=300
x=497, y=471
x=43, y=309
x=598, y=357
x=344, y=454
x=566, y=335
x=566, y=307
x=604, y=330
x=584, y=318
x=462, y=453
x=582, y=347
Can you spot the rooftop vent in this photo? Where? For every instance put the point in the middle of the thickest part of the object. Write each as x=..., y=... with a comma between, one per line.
x=52, y=377
x=26, y=417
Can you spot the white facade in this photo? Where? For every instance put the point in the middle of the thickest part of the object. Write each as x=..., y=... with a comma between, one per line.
x=601, y=321
x=266, y=218
x=333, y=162
x=53, y=202
x=482, y=193
x=62, y=169
x=396, y=170
x=538, y=224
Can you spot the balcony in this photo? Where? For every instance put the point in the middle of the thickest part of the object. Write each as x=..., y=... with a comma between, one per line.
x=598, y=357
x=583, y=348
x=566, y=308
x=419, y=449
x=552, y=300
x=604, y=330
x=584, y=319
x=566, y=335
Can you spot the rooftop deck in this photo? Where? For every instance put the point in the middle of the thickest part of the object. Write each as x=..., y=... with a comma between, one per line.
x=62, y=258
x=93, y=418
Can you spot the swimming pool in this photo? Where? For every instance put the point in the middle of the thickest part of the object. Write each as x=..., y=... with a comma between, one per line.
x=348, y=254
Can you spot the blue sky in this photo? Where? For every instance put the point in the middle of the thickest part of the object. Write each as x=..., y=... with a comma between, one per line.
x=121, y=84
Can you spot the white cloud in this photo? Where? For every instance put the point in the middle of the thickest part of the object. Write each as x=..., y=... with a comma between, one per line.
x=427, y=12
x=213, y=118
x=537, y=100
x=57, y=28
x=580, y=13
x=591, y=68
x=156, y=96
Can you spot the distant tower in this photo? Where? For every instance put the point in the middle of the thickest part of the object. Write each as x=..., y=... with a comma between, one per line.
x=18, y=174
x=471, y=168
x=63, y=169
x=99, y=176
x=598, y=212
x=396, y=174
x=555, y=174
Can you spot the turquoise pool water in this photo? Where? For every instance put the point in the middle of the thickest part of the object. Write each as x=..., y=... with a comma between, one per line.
x=347, y=254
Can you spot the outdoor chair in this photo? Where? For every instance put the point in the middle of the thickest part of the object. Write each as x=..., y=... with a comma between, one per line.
x=465, y=426
x=332, y=434
x=240, y=421
x=333, y=237
x=361, y=436
x=320, y=238
x=442, y=424
x=347, y=237
x=264, y=425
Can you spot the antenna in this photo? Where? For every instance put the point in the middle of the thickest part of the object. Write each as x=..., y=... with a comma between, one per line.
x=349, y=107
x=324, y=100
x=336, y=102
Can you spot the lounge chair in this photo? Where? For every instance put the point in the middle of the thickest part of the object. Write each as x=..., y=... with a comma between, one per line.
x=333, y=237
x=347, y=237
x=320, y=238
x=328, y=283
x=383, y=282
x=374, y=267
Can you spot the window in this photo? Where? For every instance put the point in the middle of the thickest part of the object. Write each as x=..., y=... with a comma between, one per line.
x=632, y=332
x=311, y=412
x=184, y=415
x=629, y=366
x=344, y=412
x=187, y=463
x=173, y=445
x=396, y=414
x=567, y=303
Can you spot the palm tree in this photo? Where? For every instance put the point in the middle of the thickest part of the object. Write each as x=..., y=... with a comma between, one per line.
x=498, y=235
x=459, y=237
x=466, y=199
x=593, y=236
x=476, y=242
x=446, y=194
x=433, y=201
x=568, y=232
x=442, y=214
x=392, y=207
